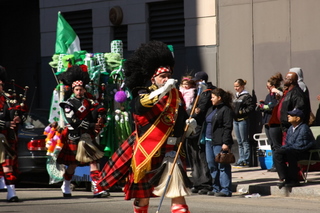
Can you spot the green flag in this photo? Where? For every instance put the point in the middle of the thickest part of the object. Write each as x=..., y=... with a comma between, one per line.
x=67, y=40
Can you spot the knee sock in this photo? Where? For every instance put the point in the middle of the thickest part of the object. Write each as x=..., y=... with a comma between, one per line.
x=179, y=208
x=97, y=189
x=140, y=209
x=94, y=175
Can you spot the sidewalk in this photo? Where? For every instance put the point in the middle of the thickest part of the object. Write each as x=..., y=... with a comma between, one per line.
x=252, y=180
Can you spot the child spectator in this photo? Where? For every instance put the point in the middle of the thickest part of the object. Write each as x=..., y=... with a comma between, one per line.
x=187, y=88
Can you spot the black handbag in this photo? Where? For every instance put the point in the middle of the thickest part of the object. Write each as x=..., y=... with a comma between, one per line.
x=225, y=157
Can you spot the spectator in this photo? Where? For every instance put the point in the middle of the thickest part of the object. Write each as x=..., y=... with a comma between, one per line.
x=243, y=105
x=305, y=91
x=301, y=83
x=187, y=89
x=266, y=106
x=299, y=140
x=217, y=134
x=293, y=98
x=202, y=180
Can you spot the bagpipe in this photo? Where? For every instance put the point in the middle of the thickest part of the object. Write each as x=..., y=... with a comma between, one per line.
x=17, y=104
x=17, y=110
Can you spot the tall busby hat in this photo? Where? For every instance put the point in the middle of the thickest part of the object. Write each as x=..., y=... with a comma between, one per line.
x=3, y=74
x=145, y=61
x=75, y=76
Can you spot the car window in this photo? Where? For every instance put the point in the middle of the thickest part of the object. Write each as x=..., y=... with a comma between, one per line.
x=35, y=121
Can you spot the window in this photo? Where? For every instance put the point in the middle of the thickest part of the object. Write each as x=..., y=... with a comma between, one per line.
x=81, y=22
x=121, y=33
x=166, y=22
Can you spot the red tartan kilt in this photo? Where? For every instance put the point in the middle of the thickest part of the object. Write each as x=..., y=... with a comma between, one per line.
x=9, y=161
x=67, y=155
x=143, y=189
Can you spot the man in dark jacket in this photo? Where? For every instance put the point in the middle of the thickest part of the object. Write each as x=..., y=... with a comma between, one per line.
x=293, y=98
x=298, y=141
x=202, y=181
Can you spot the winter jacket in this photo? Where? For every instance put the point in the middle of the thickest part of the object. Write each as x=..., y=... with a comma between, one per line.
x=204, y=103
x=188, y=96
x=294, y=98
x=267, y=106
x=222, y=125
x=242, y=106
x=300, y=139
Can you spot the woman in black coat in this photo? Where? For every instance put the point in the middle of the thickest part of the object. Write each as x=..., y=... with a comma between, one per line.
x=217, y=136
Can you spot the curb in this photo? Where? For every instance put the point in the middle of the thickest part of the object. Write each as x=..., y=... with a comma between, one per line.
x=301, y=191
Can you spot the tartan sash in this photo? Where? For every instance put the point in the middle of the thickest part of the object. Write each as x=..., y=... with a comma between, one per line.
x=152, y=140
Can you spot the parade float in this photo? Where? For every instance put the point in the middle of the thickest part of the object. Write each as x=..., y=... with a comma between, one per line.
x=105, y=88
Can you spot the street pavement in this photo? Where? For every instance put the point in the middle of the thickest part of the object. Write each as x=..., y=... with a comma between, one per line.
x=254, y=180
x=247, y=182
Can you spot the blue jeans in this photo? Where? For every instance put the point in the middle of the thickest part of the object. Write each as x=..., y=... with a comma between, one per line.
x=220, y=173
x=241, y=131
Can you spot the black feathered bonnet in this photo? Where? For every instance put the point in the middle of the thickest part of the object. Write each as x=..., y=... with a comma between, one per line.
x=75, y=76
x=140, y=67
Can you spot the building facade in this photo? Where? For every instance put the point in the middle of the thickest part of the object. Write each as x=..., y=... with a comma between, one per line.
x=175, y=22
x=229, y=39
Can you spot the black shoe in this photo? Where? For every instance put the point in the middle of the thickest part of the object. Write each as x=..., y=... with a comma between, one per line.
x=194, y=190
x=292, y=184
x=245, y=164
x=220, y=194
x=14, y=199
x=273, y=169
x=67, y=195
x=281, y=184
x=241, y=164
x=203, y=191
x=238, y=164
x=102, y=195
x=211, y=193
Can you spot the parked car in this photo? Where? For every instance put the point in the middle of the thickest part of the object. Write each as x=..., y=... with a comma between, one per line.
x=31, y=144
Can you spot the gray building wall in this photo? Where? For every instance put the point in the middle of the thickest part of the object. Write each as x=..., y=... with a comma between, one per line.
x=229, y=39
x=258, y=38
x=199, y=52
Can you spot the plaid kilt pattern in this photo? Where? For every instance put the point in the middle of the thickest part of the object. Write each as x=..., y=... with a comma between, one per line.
x=67, y=155
x=143, y=189
x=9, y=161
x=119, y=164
